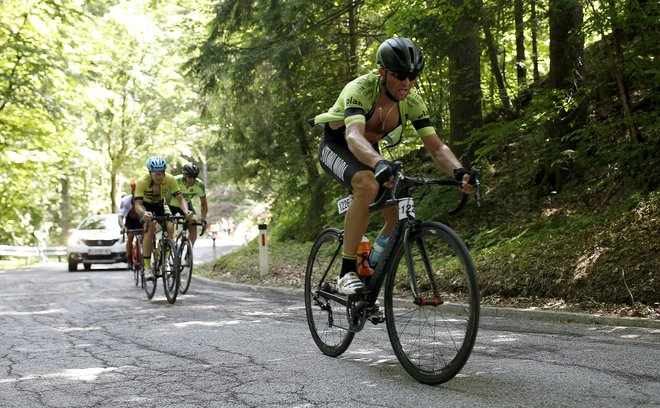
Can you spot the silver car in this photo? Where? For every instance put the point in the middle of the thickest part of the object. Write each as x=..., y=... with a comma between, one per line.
x=96, y=240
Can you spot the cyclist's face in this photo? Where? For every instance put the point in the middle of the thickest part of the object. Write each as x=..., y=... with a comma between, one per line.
x=190, y=180
x=398, y=83
x=157, y=176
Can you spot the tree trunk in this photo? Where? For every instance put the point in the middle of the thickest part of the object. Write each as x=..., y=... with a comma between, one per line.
x=352, y=28
x=535, y=43
x=499, y=79
x=565, y=77
x=66, y=208
x=465, y=79
x=619, y=37
x=521, y=70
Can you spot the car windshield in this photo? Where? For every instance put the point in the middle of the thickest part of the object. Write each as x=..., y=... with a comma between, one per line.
x=100, y=223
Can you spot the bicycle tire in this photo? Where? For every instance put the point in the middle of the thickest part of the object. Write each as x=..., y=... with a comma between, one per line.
x=149, y=285
x=138, y=262
x=326, y=318
x=185, y=256
x=169, y=269
x=432, y=342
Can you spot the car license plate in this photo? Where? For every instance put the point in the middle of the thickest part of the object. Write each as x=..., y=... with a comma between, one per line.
x=100, y=251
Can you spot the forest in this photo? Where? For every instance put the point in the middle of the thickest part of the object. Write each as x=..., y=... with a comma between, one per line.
x=554, y=101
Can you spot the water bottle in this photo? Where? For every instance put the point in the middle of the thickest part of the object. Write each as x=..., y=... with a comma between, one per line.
x=377, y=250
x=363, y=258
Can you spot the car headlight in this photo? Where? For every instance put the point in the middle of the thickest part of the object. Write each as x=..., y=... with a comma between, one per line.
x=74, y=240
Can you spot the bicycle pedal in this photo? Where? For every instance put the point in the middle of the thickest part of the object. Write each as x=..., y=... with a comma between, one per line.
x=376, y=319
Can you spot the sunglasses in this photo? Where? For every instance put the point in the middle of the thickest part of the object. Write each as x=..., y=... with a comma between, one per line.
x=402, y=75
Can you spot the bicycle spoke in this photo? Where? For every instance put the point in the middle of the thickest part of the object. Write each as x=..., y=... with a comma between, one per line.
x=326, y=316
x=433, y=340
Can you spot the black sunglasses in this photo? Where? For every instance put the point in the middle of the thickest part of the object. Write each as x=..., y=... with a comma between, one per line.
x=402, y=75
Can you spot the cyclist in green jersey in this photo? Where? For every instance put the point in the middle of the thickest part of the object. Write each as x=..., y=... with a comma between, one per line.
x=371, y=108
x=149, y=201
x=191, y=187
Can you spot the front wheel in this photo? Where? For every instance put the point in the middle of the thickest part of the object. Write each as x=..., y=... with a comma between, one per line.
x=326, y=317
x=185, y=256
x=169, y=270
x=432, y=303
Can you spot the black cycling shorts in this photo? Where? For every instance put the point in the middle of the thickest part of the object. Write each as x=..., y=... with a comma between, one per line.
x=178, y=211
x=158, y=209
x=337, y=160
x=132, y=223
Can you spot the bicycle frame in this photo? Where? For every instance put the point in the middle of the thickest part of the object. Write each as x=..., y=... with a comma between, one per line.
x=403, y=232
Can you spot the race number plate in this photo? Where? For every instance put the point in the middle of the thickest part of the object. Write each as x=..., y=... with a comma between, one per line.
x=342, y=205
x=100, y=251
x=406, y=208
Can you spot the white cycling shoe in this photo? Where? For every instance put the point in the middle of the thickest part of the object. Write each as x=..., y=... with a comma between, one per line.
x=350, y=284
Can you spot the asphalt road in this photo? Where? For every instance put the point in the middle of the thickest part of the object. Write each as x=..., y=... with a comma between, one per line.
x=92, y=339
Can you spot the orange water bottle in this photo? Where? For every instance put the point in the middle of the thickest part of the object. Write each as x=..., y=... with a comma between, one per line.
x=363, y=258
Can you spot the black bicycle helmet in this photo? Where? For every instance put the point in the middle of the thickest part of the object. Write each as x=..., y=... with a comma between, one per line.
x=400, y=54
x=191, y=169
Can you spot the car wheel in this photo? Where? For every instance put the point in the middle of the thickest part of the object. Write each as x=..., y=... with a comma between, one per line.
x=87, y=266
x=73, y=266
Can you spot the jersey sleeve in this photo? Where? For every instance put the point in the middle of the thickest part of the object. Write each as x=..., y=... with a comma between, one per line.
x=171, y=186
x=125, y=206
x=353, y=102
x=418, y=114
x=140, y=188
x=201, y=188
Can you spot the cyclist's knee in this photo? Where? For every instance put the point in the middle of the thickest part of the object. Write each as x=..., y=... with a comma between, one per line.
x=365, y=185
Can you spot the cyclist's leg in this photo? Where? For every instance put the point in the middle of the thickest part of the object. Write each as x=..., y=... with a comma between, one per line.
x=391, y=215
x=338, y=161
x=192, y=229
x=131, y=223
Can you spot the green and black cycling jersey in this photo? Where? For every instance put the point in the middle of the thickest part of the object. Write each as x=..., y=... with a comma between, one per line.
x=357, y=102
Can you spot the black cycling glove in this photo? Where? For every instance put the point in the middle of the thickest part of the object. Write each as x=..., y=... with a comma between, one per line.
x=460, y=172
x=384, y=170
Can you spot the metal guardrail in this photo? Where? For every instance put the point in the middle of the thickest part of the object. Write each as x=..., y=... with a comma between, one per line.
x=24, y=251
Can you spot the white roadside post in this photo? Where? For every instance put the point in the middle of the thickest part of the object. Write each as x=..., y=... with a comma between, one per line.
x=263, y=249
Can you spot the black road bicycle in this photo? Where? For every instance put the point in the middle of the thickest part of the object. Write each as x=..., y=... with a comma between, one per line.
x=165, y=263
x=431, y=296
x=184, y=251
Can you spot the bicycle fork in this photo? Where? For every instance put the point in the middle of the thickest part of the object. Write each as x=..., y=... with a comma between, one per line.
x=410, y=239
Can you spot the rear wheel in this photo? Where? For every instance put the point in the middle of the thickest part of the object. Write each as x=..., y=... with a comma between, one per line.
x=88, y=266
x=138, y=262
x=185, y=256
x=169, y=270
x=432, y=304
x=326, y=316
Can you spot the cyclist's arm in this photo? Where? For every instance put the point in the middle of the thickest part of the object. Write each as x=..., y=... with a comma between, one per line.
x=139, y=207
x=360, y=146
x=445, y=159
x=183, y=205
x=205, y=207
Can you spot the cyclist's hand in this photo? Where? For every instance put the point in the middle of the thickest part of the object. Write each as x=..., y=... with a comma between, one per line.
x=189, y=215
x=148, y=216
x=384, y=171
x=466, y=178
x=123, y=230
